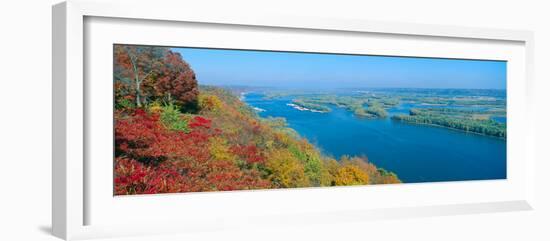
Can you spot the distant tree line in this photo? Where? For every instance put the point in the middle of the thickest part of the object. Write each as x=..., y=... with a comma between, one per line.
x=485, y=127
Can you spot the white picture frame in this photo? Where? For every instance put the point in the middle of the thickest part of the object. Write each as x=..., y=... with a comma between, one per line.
x=78, y=196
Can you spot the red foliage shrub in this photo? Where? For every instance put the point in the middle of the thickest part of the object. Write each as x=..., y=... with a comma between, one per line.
x=138, y=137
x=250, y=153
x=227, y=176
x=152, y=159
x=132, y=177
x=199, y=122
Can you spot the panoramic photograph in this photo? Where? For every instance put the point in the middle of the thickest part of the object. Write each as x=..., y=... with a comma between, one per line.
x=203, y=119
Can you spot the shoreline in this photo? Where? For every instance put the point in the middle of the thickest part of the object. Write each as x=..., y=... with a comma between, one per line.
x=301, y=108
x=450, y=128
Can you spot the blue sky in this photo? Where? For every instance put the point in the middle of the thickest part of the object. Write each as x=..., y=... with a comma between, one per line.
x=306, y=70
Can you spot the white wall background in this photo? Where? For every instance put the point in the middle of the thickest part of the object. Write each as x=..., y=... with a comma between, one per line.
x=25, y=119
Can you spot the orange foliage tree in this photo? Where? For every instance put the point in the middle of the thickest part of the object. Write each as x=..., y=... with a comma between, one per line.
x=177, y=82
x=151, y=73
x=136, y=64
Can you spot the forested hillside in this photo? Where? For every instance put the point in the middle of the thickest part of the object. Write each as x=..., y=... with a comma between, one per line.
x=173, y=136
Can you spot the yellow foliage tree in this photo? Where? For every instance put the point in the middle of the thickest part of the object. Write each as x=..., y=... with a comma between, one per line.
x=349, y=174
x=287, y=170
x=329, y=171
x=210, y=103
x=388, y=179
x=220, y=150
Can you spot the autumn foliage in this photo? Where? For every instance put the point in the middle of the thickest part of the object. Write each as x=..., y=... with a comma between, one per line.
x=153, y=159
x=176, y=139
x=145, y=74
x=177, y=82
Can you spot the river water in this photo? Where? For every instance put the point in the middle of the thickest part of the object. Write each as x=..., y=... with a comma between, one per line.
x=416, y=153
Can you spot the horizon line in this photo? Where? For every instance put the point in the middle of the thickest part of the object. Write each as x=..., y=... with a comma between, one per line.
x=351, y=87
